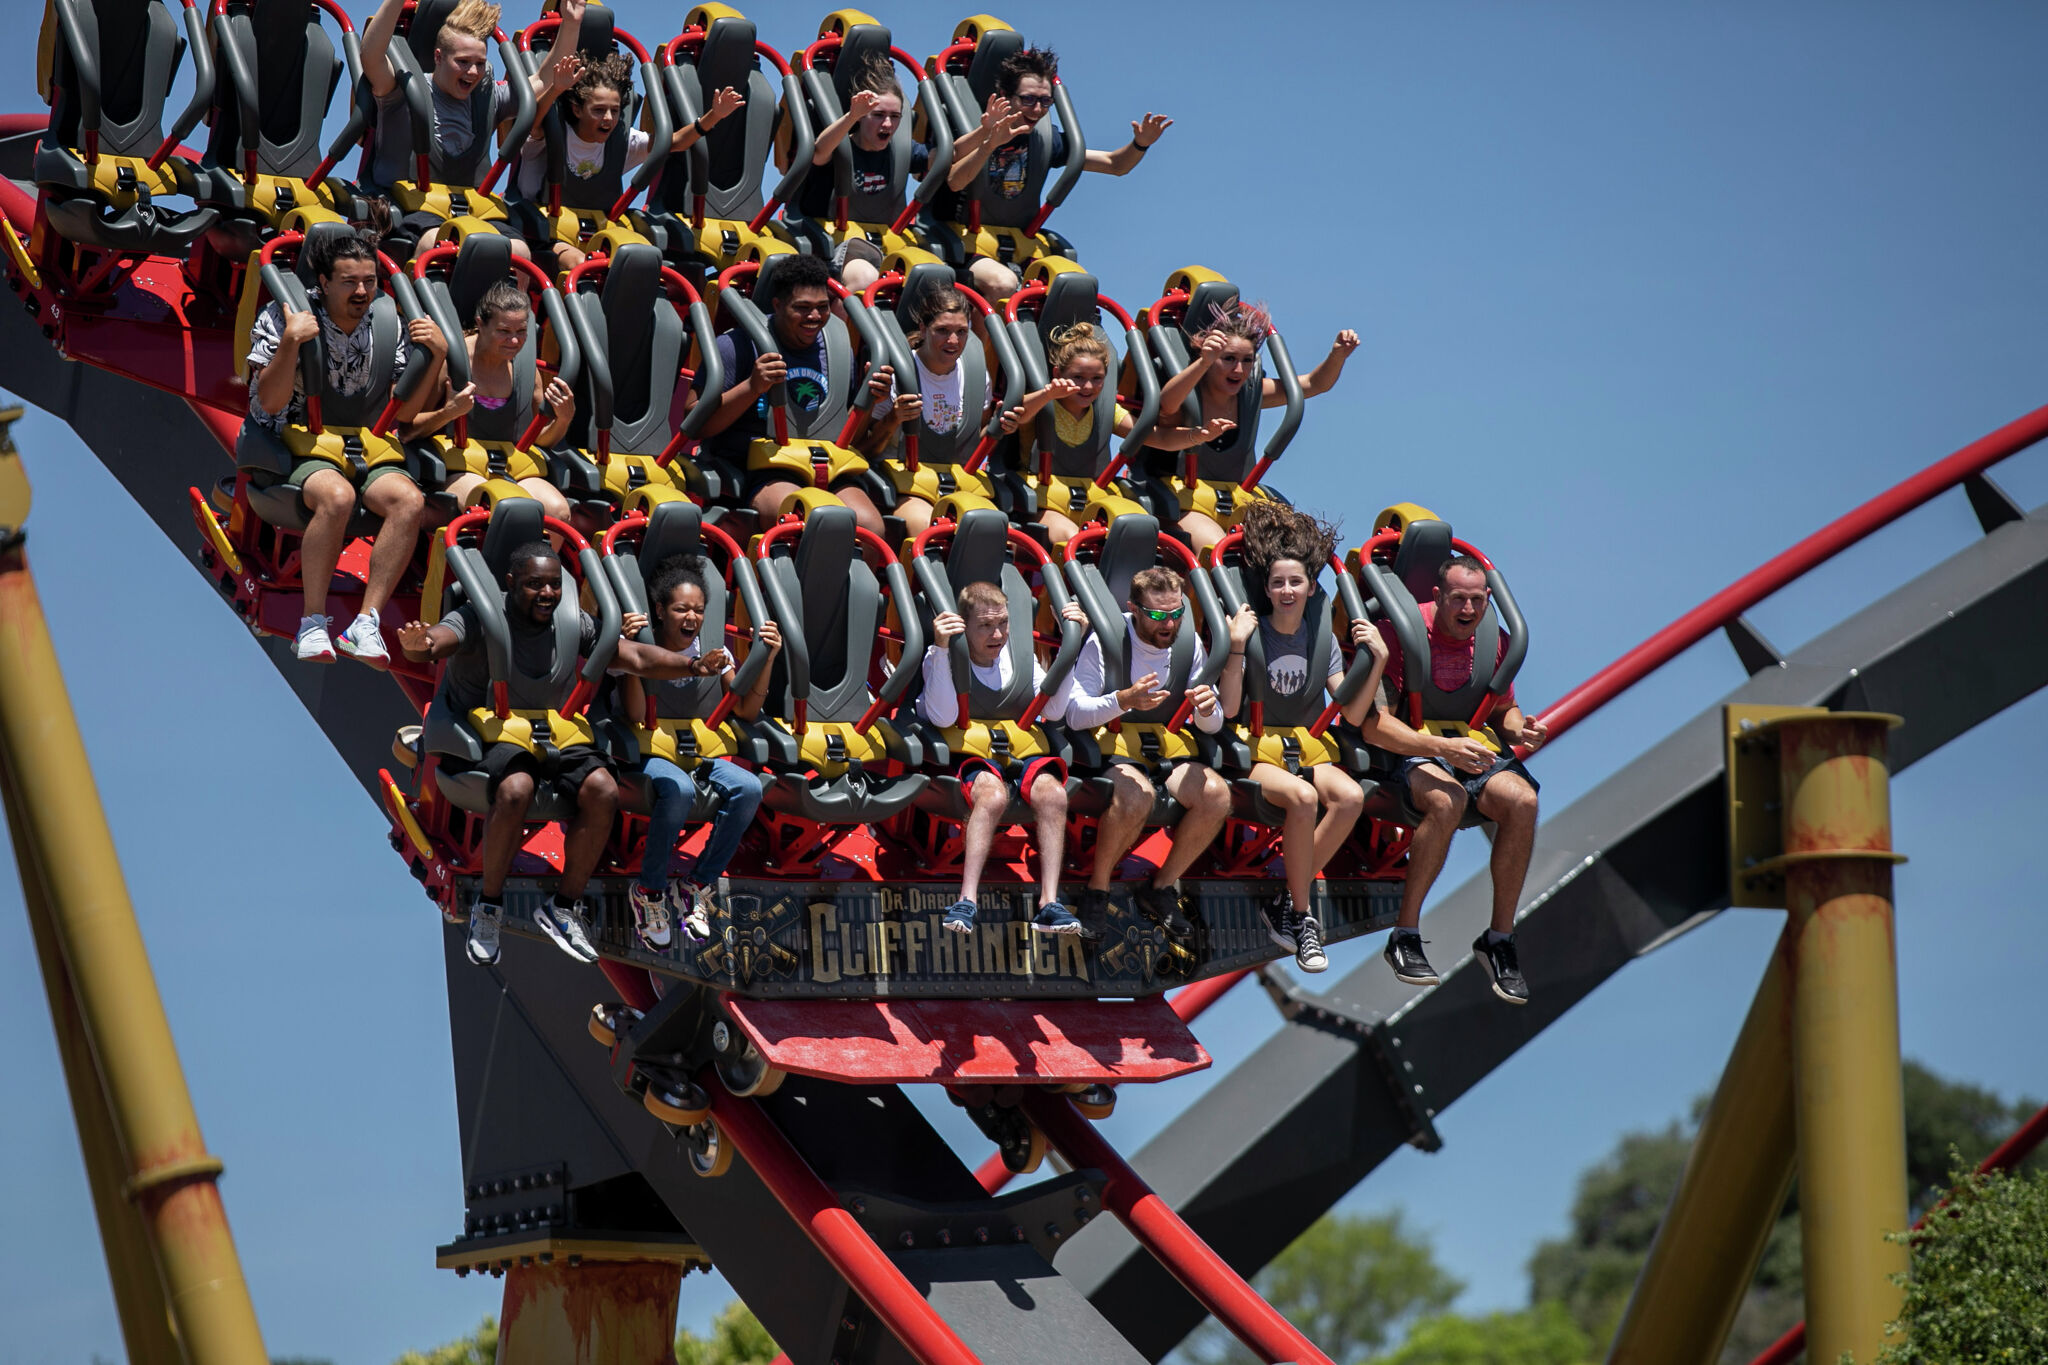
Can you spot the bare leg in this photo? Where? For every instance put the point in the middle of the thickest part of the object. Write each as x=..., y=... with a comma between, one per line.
x=502, y=829
x=1343, y=799
x=864, y=510
x=1201, y=530
x=916, y=514
x=331, y=498
x=987, y=799
x=567, y=257
x=767, y=503
x=461, y=486
x=1441, y=802
x=548, y=496
x=857, y=276
x=1059, y=525
x=1297, y=802
x=1048, y=801
x=1130, y=802
x=993, y=280
x=583, y=842
x=1206, y=797
x=1510, y=803
x=398, y=500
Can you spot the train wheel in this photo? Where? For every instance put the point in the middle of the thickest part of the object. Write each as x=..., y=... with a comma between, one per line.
x=677, y=1102
x=750, y=1075
x=710, y=1153
x=1025, y=1152
x=606, y=1019
x=1096, y=1103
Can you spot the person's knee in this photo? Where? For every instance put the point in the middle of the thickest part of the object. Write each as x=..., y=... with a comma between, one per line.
x=1344, y=798
x=521, y=249
x=742, y=797
x=1439, y=802
x=1049, y=793
x=993, y=280
x=1130, y=793
x=857, y=276
x=328, y=494
x=987, y=789
x=767, y=503
x=1511, y=800
x=598, y=794
x=1212, y=795
x=396, y=499
x=865, y=513
x=669, y=800
x=515, y=792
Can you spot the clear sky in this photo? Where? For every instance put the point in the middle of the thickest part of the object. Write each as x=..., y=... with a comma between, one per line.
x=1647, y=293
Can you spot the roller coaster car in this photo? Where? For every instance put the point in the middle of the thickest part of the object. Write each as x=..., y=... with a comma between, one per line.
x=634, y=552
x=263, y=168
x=1003, y=727
x=933, y=466
x=1100, y=563
x=837, y=762
x=498, y=445
x=848, y=41
x=712, y=217
x=590, y=213
x=1081, y=482
x=106, y=69
x=808, y=448
x=1398, y=566
x=1010, y=230
x=1217, y=481
x=634, y=319
x=456, y=190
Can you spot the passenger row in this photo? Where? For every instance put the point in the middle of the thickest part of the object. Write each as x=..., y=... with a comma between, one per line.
x=811, y=684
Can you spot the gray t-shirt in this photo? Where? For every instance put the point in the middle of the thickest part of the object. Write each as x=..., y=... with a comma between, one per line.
x=453, y=129
x=466, y=675
x=1287, y=658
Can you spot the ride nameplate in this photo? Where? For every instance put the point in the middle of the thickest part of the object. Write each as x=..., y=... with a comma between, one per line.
x=846, y=939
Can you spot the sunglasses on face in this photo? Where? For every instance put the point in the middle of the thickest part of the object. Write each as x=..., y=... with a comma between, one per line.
x=1035, y=101
x=1154, y=614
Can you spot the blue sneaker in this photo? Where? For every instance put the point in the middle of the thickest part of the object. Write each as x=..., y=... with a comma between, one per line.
x=960, y=917
x=1054, y=918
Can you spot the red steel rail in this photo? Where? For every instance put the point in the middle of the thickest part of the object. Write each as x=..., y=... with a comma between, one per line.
x=1172, y=1242
x=2010, y=1153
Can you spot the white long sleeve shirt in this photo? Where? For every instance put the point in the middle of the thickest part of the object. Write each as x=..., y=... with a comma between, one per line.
x=939, y=703
x=1091, y=702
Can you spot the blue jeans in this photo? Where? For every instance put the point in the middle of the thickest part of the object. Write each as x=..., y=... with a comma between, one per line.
x=673, y=792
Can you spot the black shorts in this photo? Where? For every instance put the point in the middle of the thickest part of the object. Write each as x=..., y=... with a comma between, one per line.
x=1017, y=775
x=1473, y=783
x=758, y=479
x=565, y=775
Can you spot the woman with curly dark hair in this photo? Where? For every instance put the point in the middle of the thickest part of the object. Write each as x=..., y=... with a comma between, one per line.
x=1283, y=643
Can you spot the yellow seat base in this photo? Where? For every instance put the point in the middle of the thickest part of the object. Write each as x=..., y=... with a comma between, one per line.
x=349, y=449
x=686, y=743
x=517, y=728
x=444, y=201
x=831, y=747
x=1082, y=500
x=802, y=459
x=1308, y=749
x=1144, y=742
x=1223, y=503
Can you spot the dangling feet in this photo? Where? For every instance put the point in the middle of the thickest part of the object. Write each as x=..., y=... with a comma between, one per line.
x=651, y=917
x=1054, y=918
x=1161, y=905
x=960, y=916
x=1404, y=954
x=313, y=645
x=364, y=642
x=563, y=922
x=1497, y=953
x=1308, y=944
x=1278, y=915
x=691, y=903
x=485, y=919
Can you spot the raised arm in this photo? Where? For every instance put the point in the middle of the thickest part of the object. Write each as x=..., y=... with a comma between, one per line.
x=376, y=47
x=652, y=661
x=834, y=133
x=1124, y=159
x=1230, y=687
x=1000, y=122
x=769, y=370
x=567, y=72
x=274, y=382
x=425, y=644
x=562, y=403
x=1034, y=403
x=1179, y=438
x=1322, y=378
x=452, y=406
x=563, y=51
x=1176, y=390
x=723, y=105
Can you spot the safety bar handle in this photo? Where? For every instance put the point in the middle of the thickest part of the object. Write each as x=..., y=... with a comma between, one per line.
x=361, y=99
x=796, y=650
x=803, y=145
x=484, y=595
x=201, y=102
x=242, y=86
x=1361, y=660
x=568, y=365
x=1290, y=421
x=1077, y=156
x=524, y=110
x=1216, y=625
x=940, y=154
x=1147, y=415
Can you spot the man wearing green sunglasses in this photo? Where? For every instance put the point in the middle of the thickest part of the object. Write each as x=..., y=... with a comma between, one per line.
x=1158, y=682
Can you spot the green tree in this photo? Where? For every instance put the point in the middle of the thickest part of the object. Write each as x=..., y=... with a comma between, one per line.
x=737, y=1338
x=1349, y=1283
x=1977, y=1293
x=1544, y=1335
x=478, y=1348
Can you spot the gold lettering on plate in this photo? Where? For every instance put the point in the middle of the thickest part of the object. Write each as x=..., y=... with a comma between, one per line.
x=843, y=948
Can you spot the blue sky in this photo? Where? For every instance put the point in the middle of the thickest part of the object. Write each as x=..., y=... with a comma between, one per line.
x=1647, y=293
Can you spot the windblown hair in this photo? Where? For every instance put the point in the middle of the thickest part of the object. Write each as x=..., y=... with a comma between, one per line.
x=982, y=597
x=937, y=303
x=474, y=17
x=502, y=297
x=1082, y=338
x=328, y=251
x=876, y=74
x=1032, y=61
x=1157, y=579
x=1273, y=531
x=677, y=571
x=611, y=71
x=1250, y=321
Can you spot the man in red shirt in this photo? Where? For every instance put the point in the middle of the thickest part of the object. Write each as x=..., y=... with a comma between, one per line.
x=1442, y=774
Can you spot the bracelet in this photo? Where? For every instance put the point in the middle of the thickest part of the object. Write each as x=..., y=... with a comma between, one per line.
x=1237, y=654
x=698, y=124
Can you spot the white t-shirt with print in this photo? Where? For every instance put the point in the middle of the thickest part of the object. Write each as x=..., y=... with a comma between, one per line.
x=583, y=160
x=943, y=395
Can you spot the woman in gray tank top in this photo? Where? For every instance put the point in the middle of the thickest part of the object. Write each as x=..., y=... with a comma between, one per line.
x=1283, y=552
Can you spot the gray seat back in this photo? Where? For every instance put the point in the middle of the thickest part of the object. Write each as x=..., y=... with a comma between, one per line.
x=111, y=72
x=726, y=165
x=278, y=73
x=830, y=93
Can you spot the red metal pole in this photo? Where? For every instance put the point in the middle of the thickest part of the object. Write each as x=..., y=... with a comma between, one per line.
x=833, y=1230
x=2010, y=1153
x=1724, y=606
x=1172, y=1242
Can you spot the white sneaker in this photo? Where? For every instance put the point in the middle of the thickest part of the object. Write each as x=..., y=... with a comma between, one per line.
x=566, y=928
x=364, y=642
x=313, y=645
x=484, y=921
x=692, y=904
x=651, y=917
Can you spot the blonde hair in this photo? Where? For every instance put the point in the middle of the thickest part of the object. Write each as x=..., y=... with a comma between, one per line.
x=477, y=18
x=1082, y=338
x=982, y=597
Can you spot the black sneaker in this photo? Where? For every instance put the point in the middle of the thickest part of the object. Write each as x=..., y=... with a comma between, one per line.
x=1278, y=916
x=1161, y=905
x=1308, y=944
x=1404, y=954
x=1093, y=908
x=1054, y=918
x=1503, y=967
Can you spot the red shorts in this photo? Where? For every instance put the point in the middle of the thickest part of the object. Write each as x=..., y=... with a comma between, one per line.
x=1018, y=777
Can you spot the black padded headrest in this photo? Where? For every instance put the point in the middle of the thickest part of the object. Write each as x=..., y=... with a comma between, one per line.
x=310, y=249
x=980, y=548
x=920, y=280
x=1424, y=547
x=996, y=47
x=427, y=18
x=727, y=57
x=127, y=30
x=595, y=37
x=861, y=44
x=1132, y=544
x=764, y=282
x=827, y=546
x=673, y=528
x=1069, y=298
x=514, y=522
x=1208, y=302
x=291, y=47
x=481, y=261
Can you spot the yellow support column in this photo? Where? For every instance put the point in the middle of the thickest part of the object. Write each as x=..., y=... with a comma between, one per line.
x=58, y=821
x=1735, y=1181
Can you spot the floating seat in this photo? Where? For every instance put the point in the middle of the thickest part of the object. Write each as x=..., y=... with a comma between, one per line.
x=540, y=714
x=976, y=222
x=1218, y=481
x=1079, y=481
x=634, y=551
x=499, y=445
x=590, y=213
x=711, y=218
x=1005, y=727
x=107, y=68
x=629, y=312
x=841, y=763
